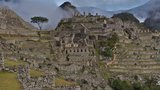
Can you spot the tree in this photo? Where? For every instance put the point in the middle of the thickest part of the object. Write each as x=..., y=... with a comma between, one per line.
x=138, y=86
x=39, y=21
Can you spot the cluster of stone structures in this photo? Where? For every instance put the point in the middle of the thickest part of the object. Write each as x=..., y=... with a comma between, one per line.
x=30, y=83
x=70, y=51
x=74, y=42
x=75, y=47
x=137, y=51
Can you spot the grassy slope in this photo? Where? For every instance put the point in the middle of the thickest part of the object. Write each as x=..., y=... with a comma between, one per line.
x=36, y=73
x=11, y=63
x=62, y=82
x=9, y=81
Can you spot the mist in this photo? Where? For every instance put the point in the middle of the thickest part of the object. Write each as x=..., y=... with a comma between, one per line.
x=29, y=8
x=155, y=10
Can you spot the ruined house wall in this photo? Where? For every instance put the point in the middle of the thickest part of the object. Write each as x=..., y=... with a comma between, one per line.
x=84, y=51
x=1, y=61
x=39, y=83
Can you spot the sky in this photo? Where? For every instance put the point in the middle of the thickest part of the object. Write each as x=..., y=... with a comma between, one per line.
x=109, y=5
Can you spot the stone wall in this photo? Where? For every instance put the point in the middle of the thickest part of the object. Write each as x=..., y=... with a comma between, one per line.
x=68, y=88
x=78, y=51
x=39, y=83
x=1, y=61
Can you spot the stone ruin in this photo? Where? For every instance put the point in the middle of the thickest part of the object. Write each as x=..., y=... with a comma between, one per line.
x=30, y=83
x=68, y=88
x=1, y=61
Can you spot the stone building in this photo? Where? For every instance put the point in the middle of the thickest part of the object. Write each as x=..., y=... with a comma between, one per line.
x=76, y=45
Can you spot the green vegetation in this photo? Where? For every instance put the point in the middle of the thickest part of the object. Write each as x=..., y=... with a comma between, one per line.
x=126, y=17
x=39, y=21
x=108, y=45
x=103, y=71
x=106, y=75
x=121, y=85
x=127, y=85
x=62, y=82
x=36, y=73
x=12, y=63
x=9, y=81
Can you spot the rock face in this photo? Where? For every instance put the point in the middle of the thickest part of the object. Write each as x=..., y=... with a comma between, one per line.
x=10, y=20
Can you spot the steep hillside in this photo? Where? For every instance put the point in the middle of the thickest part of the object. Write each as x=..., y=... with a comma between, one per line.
x=10, y=20
x=13, y=25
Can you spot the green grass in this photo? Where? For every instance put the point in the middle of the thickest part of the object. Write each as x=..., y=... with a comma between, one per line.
x=63, y=82
x=12, y=63
x=36, y=73
x=106, y=75
x=9, y=81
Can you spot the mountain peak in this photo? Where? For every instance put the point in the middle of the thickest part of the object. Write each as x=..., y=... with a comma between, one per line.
x=67, y=4
x=69, y=9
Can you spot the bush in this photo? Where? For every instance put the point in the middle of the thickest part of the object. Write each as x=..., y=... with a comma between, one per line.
x=108, y=45
x=108, y=52
x=121, y=85
x=117, y=84
x=137, y=86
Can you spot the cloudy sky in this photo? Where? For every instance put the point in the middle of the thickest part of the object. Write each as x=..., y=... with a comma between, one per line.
x=102, y=4
x=47, y=8
x=106, y=4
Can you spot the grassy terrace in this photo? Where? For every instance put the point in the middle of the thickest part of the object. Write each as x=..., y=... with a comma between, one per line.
x=12, y=63
x=9, y=81
x=62, y=82
x=36, y=73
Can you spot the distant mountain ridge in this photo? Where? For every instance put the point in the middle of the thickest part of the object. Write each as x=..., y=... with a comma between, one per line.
x=149, y=13
x=140, y=11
